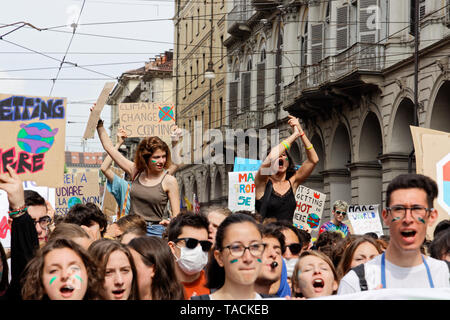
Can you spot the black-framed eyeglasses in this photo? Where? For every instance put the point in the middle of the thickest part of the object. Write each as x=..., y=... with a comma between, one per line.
x=238, y=249
x=295, y=248
x=192, y=243
x=343, y=213
x=44, y=222
x=418, y=212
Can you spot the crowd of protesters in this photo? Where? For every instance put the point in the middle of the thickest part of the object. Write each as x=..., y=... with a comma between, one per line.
x=154, y=252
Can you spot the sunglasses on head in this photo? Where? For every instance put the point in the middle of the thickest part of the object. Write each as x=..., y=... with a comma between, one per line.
x=295, y=248
x=192, y=243
x=341, y=212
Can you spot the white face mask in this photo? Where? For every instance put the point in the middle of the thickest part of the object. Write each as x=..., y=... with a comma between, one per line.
x=290, y=265
x=192, y=261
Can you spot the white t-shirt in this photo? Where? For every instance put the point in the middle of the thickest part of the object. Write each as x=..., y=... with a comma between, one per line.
x=397, y=277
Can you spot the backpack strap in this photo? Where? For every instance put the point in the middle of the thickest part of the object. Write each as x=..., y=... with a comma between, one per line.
x=359, y=270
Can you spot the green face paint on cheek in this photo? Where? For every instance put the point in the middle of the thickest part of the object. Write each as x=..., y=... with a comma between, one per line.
x=395, y=219
x=153, y=161
x=259, y=260
x=421, y=220
x=79, y=278
x=52, y=280
x=234, y=260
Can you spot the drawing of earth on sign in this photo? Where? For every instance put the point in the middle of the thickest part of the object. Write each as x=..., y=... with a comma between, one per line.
x=313, y=220
x=166, y=113
x=36, y=137
x=73, y=201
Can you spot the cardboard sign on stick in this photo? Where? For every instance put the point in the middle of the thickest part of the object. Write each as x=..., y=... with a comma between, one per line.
x=241, y=191
x=82, y=187
x=365, y=218
x=142, y=119
x=436, y=165
x=32, y=139
x=91, y=125
x=307, y=214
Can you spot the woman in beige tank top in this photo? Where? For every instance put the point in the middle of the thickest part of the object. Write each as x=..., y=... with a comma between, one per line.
x=152, y=187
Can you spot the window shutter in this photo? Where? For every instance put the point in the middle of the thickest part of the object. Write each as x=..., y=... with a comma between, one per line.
x=368, y=32
x=232, y=100
x=245, y=91
x=342, y=28
x=316, y=43
x=260, y=85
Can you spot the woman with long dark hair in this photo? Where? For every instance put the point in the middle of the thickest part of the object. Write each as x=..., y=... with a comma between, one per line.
x=237, y=260
x=276, y=181
x=156, y=269
x=152, y=187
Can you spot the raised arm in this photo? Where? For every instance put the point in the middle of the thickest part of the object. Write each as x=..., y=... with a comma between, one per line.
x=126, y=165
x=269, y=165
x=176, y=134
x=106, y=165
x=312, y=158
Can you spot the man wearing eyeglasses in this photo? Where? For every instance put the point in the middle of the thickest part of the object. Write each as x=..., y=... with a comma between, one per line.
x=336, y=225
x=188, y=240
x=409, y=212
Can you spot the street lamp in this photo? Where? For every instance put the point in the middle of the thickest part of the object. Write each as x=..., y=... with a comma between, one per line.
x=209, y=73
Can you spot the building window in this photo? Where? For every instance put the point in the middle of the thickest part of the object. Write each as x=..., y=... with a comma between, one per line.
x=220, y=110
x=192, y=28
x=190, y=84
x=196, y=75
x=204, y=66
x=198, y=21
x=221, y=52
x=185, y=84
x=187, y=36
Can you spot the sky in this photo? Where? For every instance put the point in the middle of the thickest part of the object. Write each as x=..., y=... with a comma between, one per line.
x=110, y=38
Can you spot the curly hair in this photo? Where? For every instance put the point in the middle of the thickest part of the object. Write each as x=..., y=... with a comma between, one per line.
x=86, y=215
x=32, y=285
x=101, y=250
x=155, y=252
x=145, y=150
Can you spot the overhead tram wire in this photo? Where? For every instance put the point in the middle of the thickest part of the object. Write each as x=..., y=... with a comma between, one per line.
x=75, y=26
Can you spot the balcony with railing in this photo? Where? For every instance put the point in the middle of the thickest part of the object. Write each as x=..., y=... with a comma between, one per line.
x=266, y=4
x=238, y=18
x=360, y=58
x=246, y=120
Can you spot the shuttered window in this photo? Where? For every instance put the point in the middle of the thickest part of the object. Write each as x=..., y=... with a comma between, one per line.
x=233, y=100
x=260, y=85
x=342, y=28
x=245, y=91
x=316, y=43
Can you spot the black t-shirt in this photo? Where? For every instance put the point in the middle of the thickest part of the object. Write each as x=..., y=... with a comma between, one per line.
x=274, y=205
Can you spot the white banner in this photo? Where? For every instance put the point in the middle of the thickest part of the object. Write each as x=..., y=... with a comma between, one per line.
x=241, y=191
x=365, y=218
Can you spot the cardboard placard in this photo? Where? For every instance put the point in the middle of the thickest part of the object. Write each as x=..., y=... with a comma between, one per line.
x=365, y=218
x=33, y=137
x=432, y=150
x=144, y=119
x=244, y=164
x=109, y=203
x=5, y=232
x=241, y=191
x=91, y=125
x=309, y=209
x=82, y=187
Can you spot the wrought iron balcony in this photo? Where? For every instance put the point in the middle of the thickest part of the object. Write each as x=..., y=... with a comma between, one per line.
x=265, y=4
x=238, y=17
x=361, y=58
x=247, y=120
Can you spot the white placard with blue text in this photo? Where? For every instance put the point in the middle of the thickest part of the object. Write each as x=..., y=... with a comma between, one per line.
x=241, y=191
x=365, y=218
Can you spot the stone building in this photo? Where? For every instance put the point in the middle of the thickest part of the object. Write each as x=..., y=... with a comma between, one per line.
x=150, y=83
x=346, y=69
x=200, y=30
